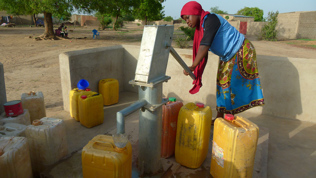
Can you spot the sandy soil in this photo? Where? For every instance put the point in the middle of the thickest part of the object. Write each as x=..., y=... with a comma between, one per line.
x=34, y=65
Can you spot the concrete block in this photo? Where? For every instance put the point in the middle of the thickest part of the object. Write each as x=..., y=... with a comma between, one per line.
x=3, y=95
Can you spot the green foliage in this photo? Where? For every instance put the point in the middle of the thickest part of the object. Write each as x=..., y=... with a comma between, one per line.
x=119, y=23
x=252, y=12
x=226, y=17
x=217, y=11
x=148, y=10
x=128, y=16
x=189, y=32
x=59, y=8
x=268, y=31
x=168, y=19
x=115, y=8
x=181, y=42
x=104, y=19
x=56, y=8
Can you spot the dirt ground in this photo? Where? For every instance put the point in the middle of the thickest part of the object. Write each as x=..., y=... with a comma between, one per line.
x=31, y=65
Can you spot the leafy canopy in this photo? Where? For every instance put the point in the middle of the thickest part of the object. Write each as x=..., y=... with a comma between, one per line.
x=148, y=9
x=59, y=8
x=253, y=12
x=216, y=10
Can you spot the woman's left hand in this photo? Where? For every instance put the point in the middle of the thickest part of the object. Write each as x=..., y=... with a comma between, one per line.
x=186, y=73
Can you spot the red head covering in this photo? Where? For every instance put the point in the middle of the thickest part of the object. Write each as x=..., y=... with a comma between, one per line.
x=194, y=8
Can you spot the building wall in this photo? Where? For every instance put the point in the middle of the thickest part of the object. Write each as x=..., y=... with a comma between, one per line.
x=254, y=28
x=88, y=20
x=307, y=25
x=287, y=25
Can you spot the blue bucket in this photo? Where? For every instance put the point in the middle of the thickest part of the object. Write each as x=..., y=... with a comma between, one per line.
x=82, y=84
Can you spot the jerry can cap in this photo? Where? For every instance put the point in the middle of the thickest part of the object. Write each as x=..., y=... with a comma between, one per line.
x=83, y=96
x=200, y=105
x=88, y=89
x=172, y=99
x=229, y=117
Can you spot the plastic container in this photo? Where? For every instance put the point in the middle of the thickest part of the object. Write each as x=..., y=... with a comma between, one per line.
x=91, y=111
x=82, y=84
x=109, y=88
x=12, y=129
x=20, y=119
x=34, y=102
x=47, y=142
x=101, y=158
x=13, y=108
x=193, y=134
x=73, y=98
x=234, y=147
x=15, y=158
x=170, y=113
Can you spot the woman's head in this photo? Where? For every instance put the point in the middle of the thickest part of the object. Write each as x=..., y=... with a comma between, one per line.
x=191, y=13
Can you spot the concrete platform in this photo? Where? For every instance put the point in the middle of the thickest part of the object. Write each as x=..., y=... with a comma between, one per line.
x=289, y=144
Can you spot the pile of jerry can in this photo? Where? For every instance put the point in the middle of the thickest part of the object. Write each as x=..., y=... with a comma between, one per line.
x=86, y=106
x=234, y=141
x=27, y=145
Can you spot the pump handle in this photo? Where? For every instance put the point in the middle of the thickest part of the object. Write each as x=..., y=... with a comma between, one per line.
x=181, y=62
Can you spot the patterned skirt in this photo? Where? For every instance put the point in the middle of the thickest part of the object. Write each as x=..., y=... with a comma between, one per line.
x=238, y=83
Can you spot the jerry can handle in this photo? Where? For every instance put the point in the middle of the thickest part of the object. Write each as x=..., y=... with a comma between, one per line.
x=241, y=124
x=96, y=94
x=103, y=144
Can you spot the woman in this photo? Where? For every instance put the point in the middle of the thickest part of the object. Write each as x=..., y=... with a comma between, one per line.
x=238, y=83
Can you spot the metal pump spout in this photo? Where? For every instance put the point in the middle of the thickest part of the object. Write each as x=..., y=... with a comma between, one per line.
x=125, y=112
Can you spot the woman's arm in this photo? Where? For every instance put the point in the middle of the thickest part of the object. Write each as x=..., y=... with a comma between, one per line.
x=202, y=52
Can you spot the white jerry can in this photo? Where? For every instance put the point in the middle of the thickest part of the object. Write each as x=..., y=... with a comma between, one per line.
x=47, y=142
x=20, y=119
x=15, y=161
x=34, y=102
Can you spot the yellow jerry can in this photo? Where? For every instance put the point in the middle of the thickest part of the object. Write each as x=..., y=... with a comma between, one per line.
x=234, y=147
x=73, y=100
x=91, y=111
x=101, y=158
x=109, y=88
x=193, y=134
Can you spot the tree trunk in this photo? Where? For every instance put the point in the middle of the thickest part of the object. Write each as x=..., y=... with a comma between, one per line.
x=48, y=22
x=34, y=20
x=146, y=20
x=117, y=16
